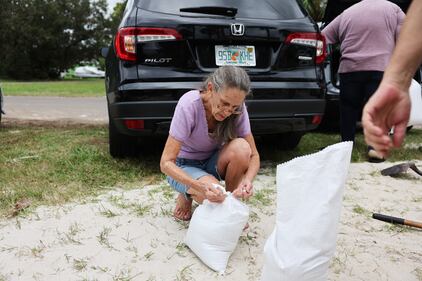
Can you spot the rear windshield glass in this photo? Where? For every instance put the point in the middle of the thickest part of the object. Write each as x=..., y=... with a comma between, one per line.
x=266, y=9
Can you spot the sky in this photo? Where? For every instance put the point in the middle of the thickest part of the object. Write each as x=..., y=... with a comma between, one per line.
x=111, y=4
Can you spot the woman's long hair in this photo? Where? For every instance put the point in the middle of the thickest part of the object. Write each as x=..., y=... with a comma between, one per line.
x=223, y=78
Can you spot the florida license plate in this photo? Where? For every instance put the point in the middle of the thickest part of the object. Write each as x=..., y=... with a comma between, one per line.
x=235, y=55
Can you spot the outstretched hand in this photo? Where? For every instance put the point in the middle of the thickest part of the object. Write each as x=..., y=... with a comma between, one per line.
x=389, y=107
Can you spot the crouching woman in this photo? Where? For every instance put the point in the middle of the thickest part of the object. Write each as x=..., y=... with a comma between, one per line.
x=210, y=140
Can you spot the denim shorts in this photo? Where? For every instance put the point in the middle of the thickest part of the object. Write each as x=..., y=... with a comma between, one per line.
x=195, y=169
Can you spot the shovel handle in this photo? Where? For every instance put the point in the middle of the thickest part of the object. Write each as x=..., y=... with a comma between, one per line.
x=396, y=220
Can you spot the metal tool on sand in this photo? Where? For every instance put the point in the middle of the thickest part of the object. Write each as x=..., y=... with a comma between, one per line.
x=400, y=168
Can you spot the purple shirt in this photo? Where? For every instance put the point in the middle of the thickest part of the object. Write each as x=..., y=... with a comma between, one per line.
x=189, y=126
x=367, y=32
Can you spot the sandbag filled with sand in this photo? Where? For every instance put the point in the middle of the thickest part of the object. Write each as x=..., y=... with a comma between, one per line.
x=215, y=229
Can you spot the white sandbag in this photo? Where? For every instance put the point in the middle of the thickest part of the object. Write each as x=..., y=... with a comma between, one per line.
x=416, y=104
x=309, y=195
x=214, y=231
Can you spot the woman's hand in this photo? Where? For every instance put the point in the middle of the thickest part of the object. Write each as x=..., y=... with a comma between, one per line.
x=214, y=194
x=244, y=190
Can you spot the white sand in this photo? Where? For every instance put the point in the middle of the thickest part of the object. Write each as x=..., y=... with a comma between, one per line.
x=130, y=235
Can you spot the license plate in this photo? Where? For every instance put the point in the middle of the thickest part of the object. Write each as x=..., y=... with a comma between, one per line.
x=235, y=55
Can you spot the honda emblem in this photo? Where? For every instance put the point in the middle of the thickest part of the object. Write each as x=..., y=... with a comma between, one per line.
x=237, y=29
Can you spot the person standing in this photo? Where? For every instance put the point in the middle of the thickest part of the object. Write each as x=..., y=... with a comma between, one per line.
x=367, y=32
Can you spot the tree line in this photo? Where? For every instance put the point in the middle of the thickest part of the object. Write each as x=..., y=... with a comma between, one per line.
x=39, y=39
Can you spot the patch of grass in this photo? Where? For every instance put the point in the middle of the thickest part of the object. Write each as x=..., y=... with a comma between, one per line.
x=66, y=88
x=80, y=264
x=185, y=274
x=181, y=249
x=125, y=275
x=397, y=228
x=337, y=265
x=359, y=210
x=71, y=163
x=108, y=213
x=103, y=237
x=141, y=210
x=263, y=197
x=38, y=250
x=148, y=256
x=249, y=239
x=254, y=217
x=418, y=273
x=119, y=201
x=53, y=165
x=316, y=141
x=71, y=235
x=167, y=192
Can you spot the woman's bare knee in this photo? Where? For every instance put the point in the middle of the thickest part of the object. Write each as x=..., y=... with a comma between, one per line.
x=237, y=151
x=208, y=179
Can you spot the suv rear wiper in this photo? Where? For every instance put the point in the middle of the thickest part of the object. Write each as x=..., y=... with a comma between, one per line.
x=212, y=10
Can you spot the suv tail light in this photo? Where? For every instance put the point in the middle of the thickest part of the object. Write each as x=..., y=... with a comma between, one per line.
x=134, y=124
x=310, y=39
x=126, y=39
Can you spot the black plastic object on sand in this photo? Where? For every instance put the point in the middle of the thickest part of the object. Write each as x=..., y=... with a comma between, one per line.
x=400, y=168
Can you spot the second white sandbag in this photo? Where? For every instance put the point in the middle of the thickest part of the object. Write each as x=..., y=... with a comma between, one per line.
x=309, y=196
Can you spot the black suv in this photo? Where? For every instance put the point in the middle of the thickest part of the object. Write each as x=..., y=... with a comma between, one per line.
x=166, y=48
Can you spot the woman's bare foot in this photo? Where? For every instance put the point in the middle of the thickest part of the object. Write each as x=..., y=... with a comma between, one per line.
x=183, y=210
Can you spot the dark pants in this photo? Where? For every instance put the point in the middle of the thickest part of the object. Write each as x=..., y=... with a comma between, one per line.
x=355, y=90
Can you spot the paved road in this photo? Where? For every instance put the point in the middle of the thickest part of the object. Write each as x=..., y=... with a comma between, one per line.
x=87, y=110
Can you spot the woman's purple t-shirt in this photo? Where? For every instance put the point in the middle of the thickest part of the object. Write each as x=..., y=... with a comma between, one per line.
x=189, y=126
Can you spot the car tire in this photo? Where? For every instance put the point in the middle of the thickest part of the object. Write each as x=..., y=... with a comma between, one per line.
x=120, y=145
x=285, y=141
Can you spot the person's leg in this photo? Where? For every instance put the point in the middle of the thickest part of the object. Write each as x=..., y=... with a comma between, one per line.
x=351, y=96
x=233, y=162
x=183, y=209
x=371, y=85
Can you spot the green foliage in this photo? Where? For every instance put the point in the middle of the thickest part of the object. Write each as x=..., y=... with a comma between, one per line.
x=116, y=16
x=39, y=39
x=315, y=8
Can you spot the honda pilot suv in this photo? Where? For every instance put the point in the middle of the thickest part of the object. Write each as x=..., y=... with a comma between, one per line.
x=165, y=48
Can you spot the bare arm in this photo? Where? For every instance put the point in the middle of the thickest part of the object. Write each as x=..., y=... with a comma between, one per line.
x=390, y=105
x=168, y=165
x=245, y=188
x=407, y=56
x=255, y=160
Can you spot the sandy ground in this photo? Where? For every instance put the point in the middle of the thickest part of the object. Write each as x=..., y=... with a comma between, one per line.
x=130, y=235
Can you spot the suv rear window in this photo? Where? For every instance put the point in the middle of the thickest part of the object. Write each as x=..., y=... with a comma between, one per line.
x=268, y=9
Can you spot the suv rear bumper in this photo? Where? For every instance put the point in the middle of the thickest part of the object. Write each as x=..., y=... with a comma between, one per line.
x=266, y=116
